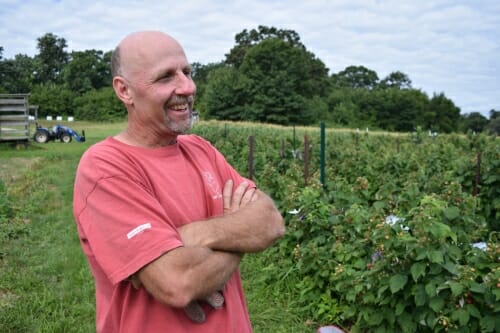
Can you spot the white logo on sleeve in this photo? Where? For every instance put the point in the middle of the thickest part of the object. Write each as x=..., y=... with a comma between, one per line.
x=138, y=230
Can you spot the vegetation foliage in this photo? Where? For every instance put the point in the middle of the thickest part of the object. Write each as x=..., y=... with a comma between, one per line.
x=401, y=237
x=395, y=240
x=267, y=76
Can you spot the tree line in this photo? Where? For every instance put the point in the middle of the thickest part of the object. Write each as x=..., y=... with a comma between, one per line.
x=267, y=76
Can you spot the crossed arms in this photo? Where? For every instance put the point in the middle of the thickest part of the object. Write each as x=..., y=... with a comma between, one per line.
x=213, y=248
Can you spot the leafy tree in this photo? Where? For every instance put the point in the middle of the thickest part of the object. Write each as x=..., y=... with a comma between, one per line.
x=51, y=58
x=494, y=114
x=355, y=108
x=246, y=39
x=397, y=80
x=99, y=105
x=494, y=126
x=355, y=77
x=16, y=75
x=225, y=95
x=1, y=52
x=53, y=100
x=345, y=114
x=447, y=115
x=200, y=73
x=399, y=110
x=283, y=77
x=474, y=121
x=86, y=70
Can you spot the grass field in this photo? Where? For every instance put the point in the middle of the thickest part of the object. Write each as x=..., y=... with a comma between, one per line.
x=45, y=283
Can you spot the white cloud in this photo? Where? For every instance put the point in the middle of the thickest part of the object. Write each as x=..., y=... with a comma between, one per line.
x=448, y=46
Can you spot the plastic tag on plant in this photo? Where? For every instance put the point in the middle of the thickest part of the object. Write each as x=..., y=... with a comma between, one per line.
x=330, y=329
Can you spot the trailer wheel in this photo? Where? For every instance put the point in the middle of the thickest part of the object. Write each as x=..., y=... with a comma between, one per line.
x=66, y=138
x=41, y=136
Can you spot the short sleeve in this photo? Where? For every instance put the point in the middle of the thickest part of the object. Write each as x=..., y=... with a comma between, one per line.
x=125, y=227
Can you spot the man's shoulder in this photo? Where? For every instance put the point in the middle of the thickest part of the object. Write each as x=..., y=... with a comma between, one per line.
x=191, y=138
x=103, y=147
x=194, y=141
x=104, y=153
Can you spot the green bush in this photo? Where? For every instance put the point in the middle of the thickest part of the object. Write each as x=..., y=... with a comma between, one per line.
x=373, y=272
x=99, y=105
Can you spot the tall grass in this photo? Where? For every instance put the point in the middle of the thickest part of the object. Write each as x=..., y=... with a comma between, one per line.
x=45, y=282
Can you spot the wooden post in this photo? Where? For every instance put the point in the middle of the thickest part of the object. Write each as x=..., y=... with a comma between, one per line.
x=475, y=191
x=294, y=140
x=322, y=154
x=282, y=151
x=250, y=157
x=306, y=159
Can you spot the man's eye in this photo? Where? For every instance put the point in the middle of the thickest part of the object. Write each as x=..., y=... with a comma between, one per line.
x=187, y=72
x=167, y=77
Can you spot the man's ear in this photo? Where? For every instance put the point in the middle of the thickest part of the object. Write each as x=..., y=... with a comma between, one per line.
x=120, y=85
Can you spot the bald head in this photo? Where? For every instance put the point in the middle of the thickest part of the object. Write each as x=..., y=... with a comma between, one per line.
x=139, y=48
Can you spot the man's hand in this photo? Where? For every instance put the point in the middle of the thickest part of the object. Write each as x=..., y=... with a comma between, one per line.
x=195, y=312
x=232, y=203
x=241, y=196
x=212, y=249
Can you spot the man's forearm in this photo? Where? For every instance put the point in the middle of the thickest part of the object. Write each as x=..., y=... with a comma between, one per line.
x=250, y=229
x=182, y=283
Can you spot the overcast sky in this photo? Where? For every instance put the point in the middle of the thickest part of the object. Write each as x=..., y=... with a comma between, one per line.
x=442, y=45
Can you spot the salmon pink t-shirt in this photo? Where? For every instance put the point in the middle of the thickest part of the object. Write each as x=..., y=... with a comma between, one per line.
x=128, y=203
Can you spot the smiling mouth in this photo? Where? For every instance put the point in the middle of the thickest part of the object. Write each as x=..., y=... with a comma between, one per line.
x=179, y=107
x=180, y=103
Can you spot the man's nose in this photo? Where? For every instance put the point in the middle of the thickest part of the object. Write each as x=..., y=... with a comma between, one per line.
x=185, y=85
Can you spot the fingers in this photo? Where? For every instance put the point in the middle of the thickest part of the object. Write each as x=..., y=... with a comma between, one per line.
x=248, y=197
x=241, y=196
x=195, y=312
x=227, y=194
x=216, y=300
x=238, y=195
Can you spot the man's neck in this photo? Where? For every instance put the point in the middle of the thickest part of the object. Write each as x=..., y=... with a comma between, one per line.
x=128, y=137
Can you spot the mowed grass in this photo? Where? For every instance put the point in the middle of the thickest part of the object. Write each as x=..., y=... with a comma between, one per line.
x=45, y=282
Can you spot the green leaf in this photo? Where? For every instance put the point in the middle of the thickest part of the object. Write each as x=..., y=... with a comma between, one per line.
x=461, y=315
x=441, y=231
x=418, y=270
x=451, y=267
x=400, y=307
x=397, y=282
x=430, y=289
x=473, y=311
x=477, y=288
x=430, y=319
x=456, y=288
x=406, y=323
x=372, y=317
x=378, y=205
x=451, y=213
x=435, y=256
x=420, y=295
x=421, y=255
x=381, y=291
x=496, y=292
x=436, y=303
x=487, y=324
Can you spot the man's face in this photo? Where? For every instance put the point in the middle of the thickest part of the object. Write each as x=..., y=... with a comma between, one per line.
x=163, y=90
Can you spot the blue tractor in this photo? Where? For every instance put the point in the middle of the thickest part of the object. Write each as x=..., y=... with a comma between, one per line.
x=58, y=132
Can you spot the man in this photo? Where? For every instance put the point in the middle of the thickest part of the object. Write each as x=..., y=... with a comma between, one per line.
x=163, y=219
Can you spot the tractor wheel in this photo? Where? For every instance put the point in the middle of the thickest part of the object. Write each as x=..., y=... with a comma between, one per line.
x=41, y=136
x=66, y=138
